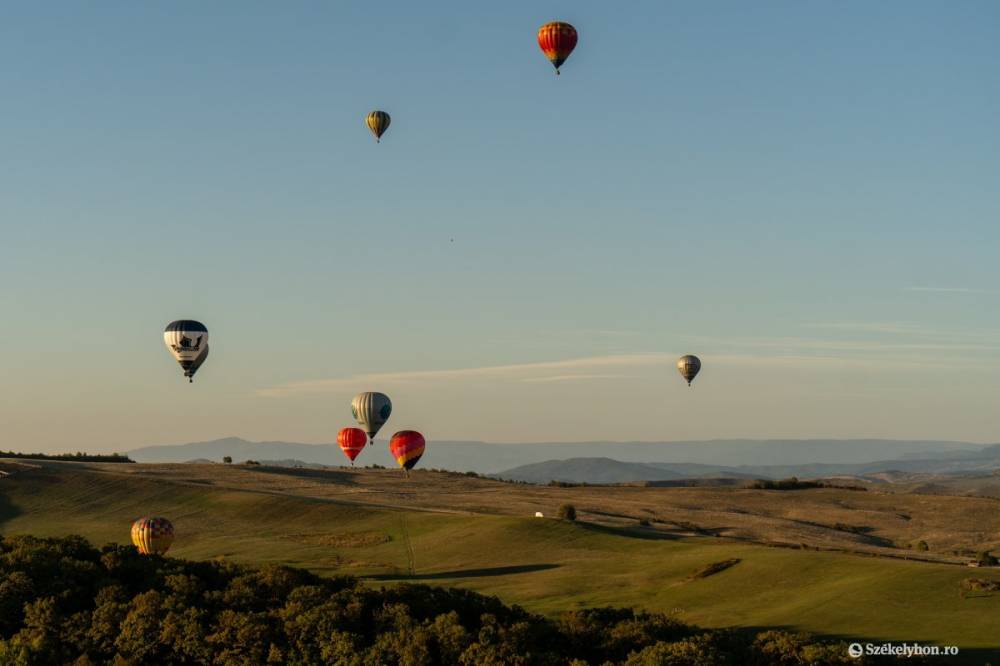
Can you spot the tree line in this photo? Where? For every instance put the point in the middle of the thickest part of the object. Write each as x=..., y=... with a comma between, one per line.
x=76, y=457
x=63, y=601
x=793, y=483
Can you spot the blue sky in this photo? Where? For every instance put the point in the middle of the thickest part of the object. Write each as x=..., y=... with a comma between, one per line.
x=803, y=194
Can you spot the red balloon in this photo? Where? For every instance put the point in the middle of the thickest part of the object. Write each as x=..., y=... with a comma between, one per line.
x=406, y=446
x=557, y=40
x=352, y=442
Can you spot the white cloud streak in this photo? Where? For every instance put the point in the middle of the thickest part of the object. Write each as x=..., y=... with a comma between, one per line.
x=895, y=328
x=539, y=371
x=904, y=329
x=811, y=344
x=950, y=290
x=569, y=378
x=629, y=366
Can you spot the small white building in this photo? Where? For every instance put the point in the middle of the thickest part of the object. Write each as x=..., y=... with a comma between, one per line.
x=538, y=514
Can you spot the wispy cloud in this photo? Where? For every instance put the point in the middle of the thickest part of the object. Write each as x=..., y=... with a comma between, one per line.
x=570, y=369
x=950, y=290
x=869, y=345
x=896, y=328
x=545, y=336
x=793, y=345
x=821, y=361
x=814, y=355
x=910, y=334
x=569, y=378
x=600, y=332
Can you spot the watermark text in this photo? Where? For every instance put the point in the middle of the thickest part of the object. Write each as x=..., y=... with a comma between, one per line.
x=858, y=650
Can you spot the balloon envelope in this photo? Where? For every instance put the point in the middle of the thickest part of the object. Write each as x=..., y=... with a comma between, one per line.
x=371, y=409
x=186, y=340
x=557, y=40
x=406, y=446
x=352, y=442
x=378, y=123
x=198, y=361
x=152, y=536
x=688, y=366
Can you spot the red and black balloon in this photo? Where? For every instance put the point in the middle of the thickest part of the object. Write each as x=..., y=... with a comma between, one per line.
x=406, y=446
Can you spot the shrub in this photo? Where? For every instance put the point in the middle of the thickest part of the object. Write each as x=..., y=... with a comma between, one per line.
x=695, y=651
x=987, y=560
x=64, y=602
x=980, y=584
x=921, y=545
x=714, y=568
x=567, y=512
x=791, y=483
x=227, y=459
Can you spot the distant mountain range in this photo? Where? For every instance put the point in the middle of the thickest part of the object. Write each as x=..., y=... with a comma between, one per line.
x=621, y=461
x=605, y=470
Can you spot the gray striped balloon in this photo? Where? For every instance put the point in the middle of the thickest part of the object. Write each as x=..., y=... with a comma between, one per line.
x=371, y=410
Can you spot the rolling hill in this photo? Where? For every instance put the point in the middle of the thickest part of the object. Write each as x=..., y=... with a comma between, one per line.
x=589, y=470
x=477, y=533
x=606, y=470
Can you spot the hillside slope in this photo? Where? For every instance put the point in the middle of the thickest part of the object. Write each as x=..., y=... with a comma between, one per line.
x=589, y=470
x=607, y=470
x=545, y=565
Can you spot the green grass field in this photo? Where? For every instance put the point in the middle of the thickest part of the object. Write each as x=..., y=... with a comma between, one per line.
x=542, y=564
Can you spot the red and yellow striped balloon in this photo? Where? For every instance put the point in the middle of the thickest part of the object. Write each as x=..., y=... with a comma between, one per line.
x=406, y=446
x=557, y=40
x=352, y=442
x=152, y=536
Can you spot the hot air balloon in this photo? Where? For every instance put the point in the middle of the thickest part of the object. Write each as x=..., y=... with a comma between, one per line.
x=557, y=40
x=187, y=340
x=406, y=446
x=152, y=536
x=688, y=366
x=198, y=361
x=378, y=123
x=371, y=410
x=352, y=442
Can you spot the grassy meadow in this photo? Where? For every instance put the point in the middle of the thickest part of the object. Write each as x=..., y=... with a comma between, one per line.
x=545, y=565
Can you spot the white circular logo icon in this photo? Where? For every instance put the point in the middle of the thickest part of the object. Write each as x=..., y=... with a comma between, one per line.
x=854, y=650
